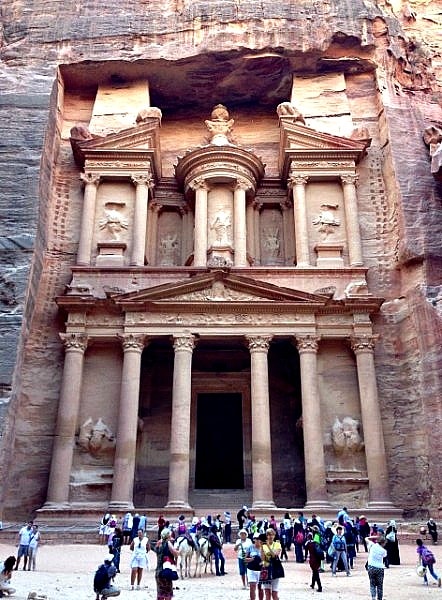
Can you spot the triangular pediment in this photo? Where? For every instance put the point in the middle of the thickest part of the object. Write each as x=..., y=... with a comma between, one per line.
x=301, y=137
x=215, y=288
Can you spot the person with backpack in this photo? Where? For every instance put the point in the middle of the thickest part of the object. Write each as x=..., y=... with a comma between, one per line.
x=103, y=578
x=316, y=556
x=340, y=551
x=298, y=539
x=427, y=560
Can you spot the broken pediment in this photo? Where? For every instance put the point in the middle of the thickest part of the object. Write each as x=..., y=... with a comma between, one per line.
x=217, y=288
x=134, y=149
x=305, y=149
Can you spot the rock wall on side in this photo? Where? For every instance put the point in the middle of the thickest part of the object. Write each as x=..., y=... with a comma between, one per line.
x=390, y=53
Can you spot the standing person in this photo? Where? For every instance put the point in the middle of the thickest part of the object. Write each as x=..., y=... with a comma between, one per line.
x=127, y=527
x=298, y=540
x=316, y=556
x=283, y=541
x=340, y=546
x=24, y=536
x=117, y=542
x=102, y=529
x=432, y=529
x=216, y=548
x=140, y=547
x=135, y=526
x=426, y=559
x=375, y=565
x=270, y=549
x=364, y=530
x=350, y=538
x=242, y=516
x=253, y=562
x=227, y=527
x=6, y=569
x=242, y=546
x=164, y=550
x=161, y=525
x=34, y=540
x=392, y=544
x=103, y=578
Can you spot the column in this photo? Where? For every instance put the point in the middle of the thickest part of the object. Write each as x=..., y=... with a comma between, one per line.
x=298, y=183
x=126, y=441
x=200, y=243
x=239, y=228
x=315, y=477
x=287, y=225
x=377, y=471
x=152, y=233
x=261, y=436
x=185, y=232
x=180, y=427
x=142, y=184
x=352, y=220
x=87, y=218
x=68, y=406
x=257, y=221
x=250, y=225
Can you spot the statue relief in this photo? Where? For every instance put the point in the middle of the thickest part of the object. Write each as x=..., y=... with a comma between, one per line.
x=287, y=109
x=222, y=226
x=96, y=439
x=114, y=221
x=327, y=220
x=167, y=248
x=345, y=436
x=272, y=242
x=220, y=126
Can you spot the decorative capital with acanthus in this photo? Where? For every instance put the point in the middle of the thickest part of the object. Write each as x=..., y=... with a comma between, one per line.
x=90, y=178
x=184, y=342
x=350, y=179
x=199, y=183
x=363, y=343
x=259, y=343
x=76, y=342
x=133, y=342
x=242, y=184
x=307, y=343
x=296, y=179
x=143, y=179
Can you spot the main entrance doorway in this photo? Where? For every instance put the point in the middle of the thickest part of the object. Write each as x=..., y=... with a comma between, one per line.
x=219, y=441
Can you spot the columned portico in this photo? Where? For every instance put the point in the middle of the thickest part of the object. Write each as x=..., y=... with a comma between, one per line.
x=180, y=427
x=315, y=476
x=125, y=451
x=261, y=438
x=377, y=470
x=62, y=454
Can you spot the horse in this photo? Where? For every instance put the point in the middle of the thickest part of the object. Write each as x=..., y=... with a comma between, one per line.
x=186, y=552
x=204, y=555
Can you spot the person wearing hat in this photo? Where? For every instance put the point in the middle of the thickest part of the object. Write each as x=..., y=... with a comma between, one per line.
x=432, y=529
x=103, y=579
x=253, y=562
x=242, y=545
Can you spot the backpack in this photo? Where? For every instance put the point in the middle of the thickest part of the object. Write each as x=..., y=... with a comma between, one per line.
x=299, y=537
x=339, y=544
x=101, y=578
x=427, y=556
x=318, y=552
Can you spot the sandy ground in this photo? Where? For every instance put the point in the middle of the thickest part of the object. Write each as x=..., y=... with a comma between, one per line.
x=66, y=572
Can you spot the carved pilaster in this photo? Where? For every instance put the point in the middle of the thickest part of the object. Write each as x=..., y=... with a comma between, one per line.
x=297, y=179
x=363, y=343
x=90, y=178
x=297, y=182
x=350, y=179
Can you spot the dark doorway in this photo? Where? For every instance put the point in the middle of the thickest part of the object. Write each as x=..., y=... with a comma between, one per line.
x=219, y=442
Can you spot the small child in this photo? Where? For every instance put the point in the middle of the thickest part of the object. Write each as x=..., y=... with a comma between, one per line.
x=426, y=559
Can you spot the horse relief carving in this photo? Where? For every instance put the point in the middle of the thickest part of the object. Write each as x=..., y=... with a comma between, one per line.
x=327, y=220
x=96, y=439
x=113, y=221
x=345, y=436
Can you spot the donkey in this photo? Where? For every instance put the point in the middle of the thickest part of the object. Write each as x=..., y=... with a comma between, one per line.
x=186, y=551
x=204, y=556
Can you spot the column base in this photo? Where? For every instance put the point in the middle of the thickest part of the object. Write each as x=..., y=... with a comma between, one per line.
x=56, y=506
x=318, y=505
x=383, y=505
x=178, y=504
x=121, y=505
x=263, y=504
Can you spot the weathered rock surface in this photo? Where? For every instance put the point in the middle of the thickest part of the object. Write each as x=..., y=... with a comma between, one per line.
x=195, y=54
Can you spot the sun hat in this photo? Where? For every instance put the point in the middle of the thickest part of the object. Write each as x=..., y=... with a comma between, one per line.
x=165, y=533
x=242, y=531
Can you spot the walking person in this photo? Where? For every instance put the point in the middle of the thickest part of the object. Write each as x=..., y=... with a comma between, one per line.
x=140, y=547
x=271, y=548
x=216, y=547
x=375, y=565
x=253, y=562
x=34, y=541
x=165, y=551
x=392, y=544
x=340, y=551
x=227, y=527
x=117, y=542
x=242, y=545
x=427, y=560
x=6, y=569
x=316, y=556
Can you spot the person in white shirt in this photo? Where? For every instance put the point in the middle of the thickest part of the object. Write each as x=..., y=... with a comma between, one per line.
x=5, y=576
x=140, y=547
x=33, y=545
x=242, y=546
x=375, y=565
x=24, y=536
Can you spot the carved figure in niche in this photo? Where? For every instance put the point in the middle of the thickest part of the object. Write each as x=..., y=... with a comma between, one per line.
x=96, y=439
x=326, y=220
x=346, y=437
x=167, y=247
x=433, y=138
x=222, y=225
x=287, y=109
x=113, y=221
x=356, y=288
x=272, y=242
x=220, y=126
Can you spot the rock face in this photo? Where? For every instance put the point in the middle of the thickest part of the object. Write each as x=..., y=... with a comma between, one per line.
x=373, y=66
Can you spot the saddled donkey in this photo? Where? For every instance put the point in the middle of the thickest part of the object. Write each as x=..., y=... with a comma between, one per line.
x=186, y=552
x=204, y=556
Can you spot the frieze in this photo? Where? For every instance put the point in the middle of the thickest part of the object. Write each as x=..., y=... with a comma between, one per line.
x=202, y=319
x=120, y=164
x=343, y=164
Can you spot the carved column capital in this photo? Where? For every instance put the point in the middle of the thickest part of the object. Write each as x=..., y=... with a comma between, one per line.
x=185, y=342
x=259, y=343
x=285, y=204
x=241, y=184
x=90, y=178
x=350, y=179
x=307, y=343
x=199, y=184
x=297, y=179
x=132, y=342
x=143, y=179
x=74, y=341
x=363, y=343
